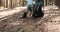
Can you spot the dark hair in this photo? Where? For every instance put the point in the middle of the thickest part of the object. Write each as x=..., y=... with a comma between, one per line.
x=37, y=0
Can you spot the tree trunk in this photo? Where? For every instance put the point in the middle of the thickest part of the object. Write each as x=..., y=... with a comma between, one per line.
x=0, y=2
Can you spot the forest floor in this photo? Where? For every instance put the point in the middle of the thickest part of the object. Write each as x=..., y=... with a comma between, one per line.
x=10, y=21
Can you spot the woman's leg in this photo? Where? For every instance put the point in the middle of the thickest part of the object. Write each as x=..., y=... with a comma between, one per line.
x=25, y=13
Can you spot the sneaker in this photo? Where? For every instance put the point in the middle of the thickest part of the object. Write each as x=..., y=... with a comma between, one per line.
x=24, y=16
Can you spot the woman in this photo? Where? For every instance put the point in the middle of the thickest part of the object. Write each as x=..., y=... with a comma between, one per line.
x=37, y=9
x=29, y=2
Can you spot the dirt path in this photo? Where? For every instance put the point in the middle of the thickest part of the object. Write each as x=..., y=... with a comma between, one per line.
x=14, y=24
